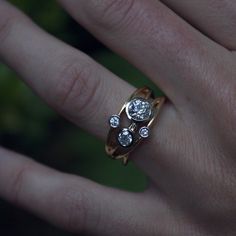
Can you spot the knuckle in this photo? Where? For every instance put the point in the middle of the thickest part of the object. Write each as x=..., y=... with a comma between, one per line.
x=9, y=18
x=114, y=14
x=19, y=179
x=74, y=208
x=77, y=89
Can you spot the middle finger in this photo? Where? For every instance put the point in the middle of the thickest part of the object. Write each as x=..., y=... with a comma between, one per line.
x=156, y=40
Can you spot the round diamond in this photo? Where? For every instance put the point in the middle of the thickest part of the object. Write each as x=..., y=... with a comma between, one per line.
x=125, y=138
x=144, y=132
x=139, y=109
x=114, y=121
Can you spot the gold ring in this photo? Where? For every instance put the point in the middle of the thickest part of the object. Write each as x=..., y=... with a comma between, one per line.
x=132, y=124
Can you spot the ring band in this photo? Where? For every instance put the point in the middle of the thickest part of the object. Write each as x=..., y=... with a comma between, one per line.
x=132, y=124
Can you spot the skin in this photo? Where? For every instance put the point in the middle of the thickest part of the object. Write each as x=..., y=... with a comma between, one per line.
x=187, y=49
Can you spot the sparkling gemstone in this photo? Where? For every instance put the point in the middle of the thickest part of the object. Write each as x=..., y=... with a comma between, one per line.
x=114, y=121
x=144, y=132
x=139, y=109
x=125, y=138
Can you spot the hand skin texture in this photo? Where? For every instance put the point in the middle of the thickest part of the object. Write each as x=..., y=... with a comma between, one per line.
x=187, y=49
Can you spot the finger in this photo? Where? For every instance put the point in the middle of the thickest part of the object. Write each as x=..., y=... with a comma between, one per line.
x=71, y=82
x=215, y=18
x=80, y=205
x=73, y=203
x=171, y=52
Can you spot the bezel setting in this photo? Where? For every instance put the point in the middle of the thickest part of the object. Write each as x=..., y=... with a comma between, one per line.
x=125, y=137
x=139, y=109
x=144, y=132
x=114, y=121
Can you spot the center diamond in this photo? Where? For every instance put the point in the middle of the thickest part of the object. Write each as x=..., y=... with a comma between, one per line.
x=139, y=109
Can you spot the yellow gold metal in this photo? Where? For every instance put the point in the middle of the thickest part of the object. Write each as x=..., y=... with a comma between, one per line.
x=116, y=151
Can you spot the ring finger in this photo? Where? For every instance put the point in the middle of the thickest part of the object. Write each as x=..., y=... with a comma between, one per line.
x=70, y=81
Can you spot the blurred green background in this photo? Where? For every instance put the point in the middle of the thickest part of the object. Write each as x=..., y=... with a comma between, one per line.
x=29, y=126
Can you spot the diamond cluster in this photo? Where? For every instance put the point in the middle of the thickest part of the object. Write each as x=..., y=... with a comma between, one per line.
x=138, y=109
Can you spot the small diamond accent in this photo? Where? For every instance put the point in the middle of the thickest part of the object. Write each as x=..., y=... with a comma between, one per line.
x=139, y=109
x=114, y=121
x=144, y=132
x=125, y=138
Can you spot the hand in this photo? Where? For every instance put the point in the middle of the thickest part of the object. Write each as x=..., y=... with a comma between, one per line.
x=190, y=159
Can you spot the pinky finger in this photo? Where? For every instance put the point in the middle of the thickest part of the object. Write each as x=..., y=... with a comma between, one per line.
x=73, y=203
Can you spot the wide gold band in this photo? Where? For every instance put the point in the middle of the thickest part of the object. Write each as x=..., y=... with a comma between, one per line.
x=132, y=124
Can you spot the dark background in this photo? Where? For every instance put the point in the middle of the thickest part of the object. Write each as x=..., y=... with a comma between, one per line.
x=29, y=126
